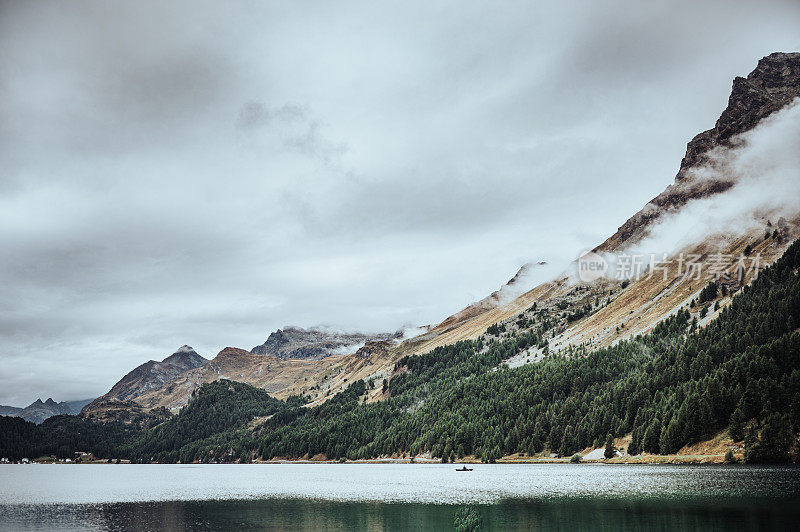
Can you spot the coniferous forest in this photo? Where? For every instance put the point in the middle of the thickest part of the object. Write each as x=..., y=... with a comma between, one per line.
x=674, y=386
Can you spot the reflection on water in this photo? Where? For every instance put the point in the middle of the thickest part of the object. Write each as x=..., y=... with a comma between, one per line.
x=309, y=514
x=397, y=497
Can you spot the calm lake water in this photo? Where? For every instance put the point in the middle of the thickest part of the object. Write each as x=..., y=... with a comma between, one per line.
x=397, y=497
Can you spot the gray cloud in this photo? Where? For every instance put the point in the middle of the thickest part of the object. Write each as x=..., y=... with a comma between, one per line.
x=184, y=173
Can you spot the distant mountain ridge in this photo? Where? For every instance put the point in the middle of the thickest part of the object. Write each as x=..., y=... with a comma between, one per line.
x=6, y=410
x=152, y=375
x=39, y=410
x=315, y=343
x=291, y=361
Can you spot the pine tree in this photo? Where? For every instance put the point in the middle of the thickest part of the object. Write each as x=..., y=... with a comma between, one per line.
x=610, y=452
x=671, y=438
x=568, y=441
x=495, y=455
x=773, y=444
x=736, y=428
x=651, y=436
x=633, y=446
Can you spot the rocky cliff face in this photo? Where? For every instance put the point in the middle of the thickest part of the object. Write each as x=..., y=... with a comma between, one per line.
x=773, y=84
x=375, y=350
x=151, y=375
x=314, y=343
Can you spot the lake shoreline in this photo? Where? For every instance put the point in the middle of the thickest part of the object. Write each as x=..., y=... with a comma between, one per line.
x=360, y=496
x=619, y=460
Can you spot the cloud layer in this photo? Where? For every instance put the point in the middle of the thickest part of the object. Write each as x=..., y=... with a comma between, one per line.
x=763, y=165
x=187, y=174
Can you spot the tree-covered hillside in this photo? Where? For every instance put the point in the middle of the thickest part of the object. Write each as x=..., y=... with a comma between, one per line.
x=212, y=418
x=62, y=436
x=671, y=387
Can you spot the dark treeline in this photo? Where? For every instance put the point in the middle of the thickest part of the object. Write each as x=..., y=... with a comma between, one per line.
x=212, y=421
x=671, y=387
x=217, y=414
x=62, y=436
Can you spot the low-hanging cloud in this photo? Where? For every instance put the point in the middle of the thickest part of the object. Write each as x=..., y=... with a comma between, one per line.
x=764, y=166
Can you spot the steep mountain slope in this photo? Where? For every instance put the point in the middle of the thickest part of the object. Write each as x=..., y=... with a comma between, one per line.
x=771, y=87
x=315, y=343
x=597, y=314
x=667, y=389
x=151, y=375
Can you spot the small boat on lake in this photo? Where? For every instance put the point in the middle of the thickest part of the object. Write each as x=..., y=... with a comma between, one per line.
x=464, y=468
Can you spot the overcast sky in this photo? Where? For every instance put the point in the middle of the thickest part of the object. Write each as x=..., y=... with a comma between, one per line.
x=204, y=174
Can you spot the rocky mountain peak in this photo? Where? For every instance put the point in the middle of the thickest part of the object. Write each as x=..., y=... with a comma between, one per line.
x=152, y=375
x=315, y=343
x=184, y=349
x=39, y=410
x=772, y=85
x=185, y=356
x=232, y=352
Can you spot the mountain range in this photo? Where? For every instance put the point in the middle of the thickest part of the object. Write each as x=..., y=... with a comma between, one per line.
x=315, y=343
x=39, y=410
x=520, y=326
x=318, y=362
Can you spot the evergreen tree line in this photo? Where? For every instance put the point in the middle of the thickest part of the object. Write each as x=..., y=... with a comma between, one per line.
x=671, y=387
